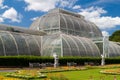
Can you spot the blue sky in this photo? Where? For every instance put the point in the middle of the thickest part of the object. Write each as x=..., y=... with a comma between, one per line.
x=104, y=13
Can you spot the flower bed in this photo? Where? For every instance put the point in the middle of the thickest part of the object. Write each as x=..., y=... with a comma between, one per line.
x=111, y=71
x=63, y=69
x=38, y=73
x=7, y=78
x=26, y=74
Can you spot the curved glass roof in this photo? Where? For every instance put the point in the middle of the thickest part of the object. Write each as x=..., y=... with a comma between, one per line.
x=79, y=46
x=20, y=30
x=19, y=44
x=12, y=43
x=59, y=20
x=51, y=44
x=68, y=45
x=114, y=49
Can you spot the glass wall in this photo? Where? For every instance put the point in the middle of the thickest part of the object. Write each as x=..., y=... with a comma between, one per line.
x=19, y=44
x=9, y=46
x=68, y=45
x=12, y=43
x=51, y=44
x=114, y=50
x=100, y=46
x=78, y=46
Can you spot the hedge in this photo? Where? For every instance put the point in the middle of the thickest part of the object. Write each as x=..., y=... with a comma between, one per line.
x=23, y=61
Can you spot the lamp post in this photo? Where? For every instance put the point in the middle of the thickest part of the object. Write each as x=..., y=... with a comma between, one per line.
x=55, y=60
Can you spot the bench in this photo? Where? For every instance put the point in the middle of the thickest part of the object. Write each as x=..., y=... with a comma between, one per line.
x=71, y=64
x=32, y=65
x=91, y=63
x=42, y=65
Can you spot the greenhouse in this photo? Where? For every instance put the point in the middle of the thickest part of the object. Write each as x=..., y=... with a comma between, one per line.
x=19, y=44
x=68, y=45
x=70, y=23
x=58, y=32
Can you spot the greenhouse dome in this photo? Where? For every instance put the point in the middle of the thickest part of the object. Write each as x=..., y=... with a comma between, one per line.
x=59, y=31
x=68, y=45
x=59, y=20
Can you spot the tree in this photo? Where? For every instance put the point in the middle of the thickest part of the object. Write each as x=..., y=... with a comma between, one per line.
x=115, y=36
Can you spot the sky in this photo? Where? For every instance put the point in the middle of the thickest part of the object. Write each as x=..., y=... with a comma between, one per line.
x=104, y=13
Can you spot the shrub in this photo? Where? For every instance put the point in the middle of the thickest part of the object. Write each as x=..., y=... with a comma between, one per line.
x=23, y=61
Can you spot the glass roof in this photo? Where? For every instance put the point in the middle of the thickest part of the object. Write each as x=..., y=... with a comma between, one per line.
x=12, y=44
x=114, y=49
x=68, y=45
x=59, y=20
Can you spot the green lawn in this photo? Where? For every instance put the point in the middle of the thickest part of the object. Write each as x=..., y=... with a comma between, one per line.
x=87, y=75
x=90, y=74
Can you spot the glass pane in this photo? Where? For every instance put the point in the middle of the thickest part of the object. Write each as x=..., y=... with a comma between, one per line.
x=33, y=46
x=62, y=22
x=66, y=48
x=10, y=47
x=22, y=46
x=1, y=48
x=38, y=40
x=50, y=45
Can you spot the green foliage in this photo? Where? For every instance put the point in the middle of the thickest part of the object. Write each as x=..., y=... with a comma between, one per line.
x=112, y=60
x=78, y=60
x=23, y=61
x=115, y=36
x=27, y=75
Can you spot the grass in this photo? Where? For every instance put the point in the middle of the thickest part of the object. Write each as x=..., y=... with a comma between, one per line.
x=92, y=73
x=2, y=76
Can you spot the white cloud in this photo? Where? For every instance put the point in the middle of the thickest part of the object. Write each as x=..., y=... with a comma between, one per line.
x=105, y=33
x=94, y=14
x=46, y=5
x=2, y=6
x=33, y=19
x=12, y=14
x=76, y=7
x=40, y=5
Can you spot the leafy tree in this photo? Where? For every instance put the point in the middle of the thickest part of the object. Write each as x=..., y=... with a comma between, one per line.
x=115, y=36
